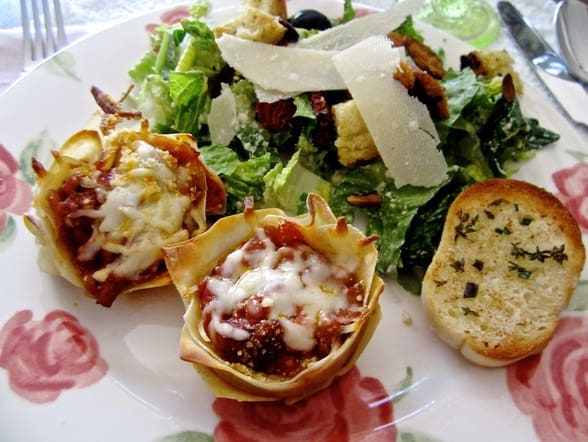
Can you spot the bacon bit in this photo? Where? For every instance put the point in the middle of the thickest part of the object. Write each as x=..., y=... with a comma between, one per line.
x=275, y=116
x=325, y=129
x=422, y=55
x=474, y=62
x=425, y=88
x=113, y=112
x=508, y=89
x=365, y=200
x=109, y=106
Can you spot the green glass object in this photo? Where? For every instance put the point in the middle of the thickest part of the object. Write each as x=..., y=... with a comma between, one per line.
x=474, y=21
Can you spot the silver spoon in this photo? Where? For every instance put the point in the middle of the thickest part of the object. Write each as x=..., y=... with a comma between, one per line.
x=571, y=24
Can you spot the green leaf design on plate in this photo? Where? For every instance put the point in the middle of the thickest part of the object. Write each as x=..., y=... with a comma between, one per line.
x=580, y=156
x=40, y=147
x=187, y=436
x=409, y=436
x=579, y=301
x=63, y=64
x=403, y=386
x=8, y=234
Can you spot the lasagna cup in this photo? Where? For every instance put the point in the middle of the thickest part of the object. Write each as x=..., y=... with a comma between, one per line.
x=276, y=306
x=108, y=203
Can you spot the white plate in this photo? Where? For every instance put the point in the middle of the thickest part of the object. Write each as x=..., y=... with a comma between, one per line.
x=140, y=390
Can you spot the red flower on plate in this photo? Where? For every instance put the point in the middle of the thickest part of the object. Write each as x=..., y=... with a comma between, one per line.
x=46, y=357
x=354, y=408
x=552, y=387
x=15, y=194
x=572, y=184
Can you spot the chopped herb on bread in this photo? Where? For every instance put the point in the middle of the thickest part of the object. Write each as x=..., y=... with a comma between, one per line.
x=506, y=266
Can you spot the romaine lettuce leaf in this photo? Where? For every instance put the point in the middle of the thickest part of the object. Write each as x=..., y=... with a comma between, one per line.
x=393, y=219
x=154, y=103
x=407, y=28
x=287, y=186
x=348, y=12
x=362, y=180
x=199, y=8
x=485, y=133
x=189, y=95
x=508, y=137
x=242, y=178
x=254, y=138
x=201, y=51
x=185, y=57
x=424, y=232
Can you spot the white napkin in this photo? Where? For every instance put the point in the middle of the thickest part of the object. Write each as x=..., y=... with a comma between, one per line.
x=82, y=17
x=11, y=48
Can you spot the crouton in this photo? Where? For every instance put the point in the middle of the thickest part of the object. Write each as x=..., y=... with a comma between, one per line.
x=354, y=142
x=273, y=7
x=491, y=64
x=254, y=24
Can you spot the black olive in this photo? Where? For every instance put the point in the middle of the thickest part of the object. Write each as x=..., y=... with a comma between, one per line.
x=291, y=35
x=310, y=19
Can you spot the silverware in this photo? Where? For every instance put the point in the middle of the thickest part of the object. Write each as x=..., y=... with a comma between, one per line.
x=549, y=66
x=41, y=35
x=571, y=25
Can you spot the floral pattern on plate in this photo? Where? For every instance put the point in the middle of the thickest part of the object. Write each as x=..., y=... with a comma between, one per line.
x=552, y=387
x=15, y=194
x=44, y=358
x=572, y=184
x=353, y=408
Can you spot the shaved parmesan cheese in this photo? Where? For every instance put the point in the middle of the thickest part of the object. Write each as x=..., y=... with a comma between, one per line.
x=281, y=68
x=346, y=35
x=399, y=124
x=267, y=96
x=222, y=118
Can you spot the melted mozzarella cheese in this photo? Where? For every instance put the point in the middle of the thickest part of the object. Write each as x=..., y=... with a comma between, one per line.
x=296, y=291
x=143, y=212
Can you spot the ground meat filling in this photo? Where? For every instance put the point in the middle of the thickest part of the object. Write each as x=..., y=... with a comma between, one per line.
x=74, y=231
x=277, y=304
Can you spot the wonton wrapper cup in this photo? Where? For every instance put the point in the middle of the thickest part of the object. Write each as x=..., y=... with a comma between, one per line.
x=78, y=153
x=191, y=261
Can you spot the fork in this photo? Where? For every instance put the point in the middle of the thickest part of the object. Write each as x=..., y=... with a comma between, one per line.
x=43, y=30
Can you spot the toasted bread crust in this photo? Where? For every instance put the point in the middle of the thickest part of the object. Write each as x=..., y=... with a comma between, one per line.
x=506, y=266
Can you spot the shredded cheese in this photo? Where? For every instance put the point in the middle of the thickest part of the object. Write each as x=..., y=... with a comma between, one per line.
x=281, y=69
x=297, y=291
x=143, y=212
